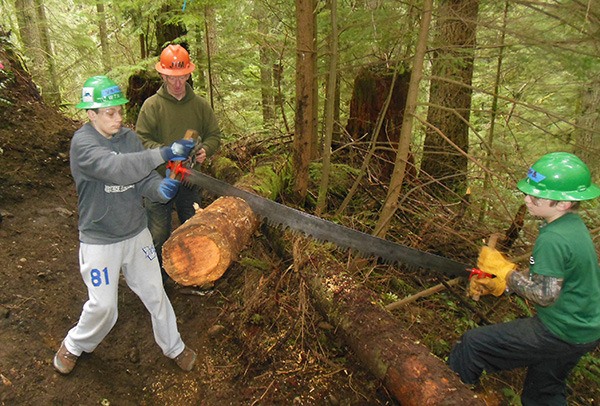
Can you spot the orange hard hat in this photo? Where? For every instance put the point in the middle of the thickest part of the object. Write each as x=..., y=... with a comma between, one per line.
x=175, y=61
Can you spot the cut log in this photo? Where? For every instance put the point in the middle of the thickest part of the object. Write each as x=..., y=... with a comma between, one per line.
x=409, y=371
x=201, y=249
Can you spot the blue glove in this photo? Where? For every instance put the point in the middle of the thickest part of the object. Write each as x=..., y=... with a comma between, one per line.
x=178, y=151
x=168, y=188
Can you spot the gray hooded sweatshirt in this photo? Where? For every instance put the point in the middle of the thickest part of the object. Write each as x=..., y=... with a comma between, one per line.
x=112, y=175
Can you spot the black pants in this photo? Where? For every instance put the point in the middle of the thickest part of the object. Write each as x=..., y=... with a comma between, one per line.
x=520, y=343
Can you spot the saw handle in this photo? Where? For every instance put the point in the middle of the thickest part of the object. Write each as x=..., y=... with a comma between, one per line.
x=176, y=167
x=478, y=272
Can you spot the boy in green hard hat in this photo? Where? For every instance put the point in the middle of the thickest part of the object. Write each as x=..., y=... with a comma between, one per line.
x=113, y=173
x=563, y=282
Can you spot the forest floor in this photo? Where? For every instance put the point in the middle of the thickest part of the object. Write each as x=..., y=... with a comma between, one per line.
x=42, y=294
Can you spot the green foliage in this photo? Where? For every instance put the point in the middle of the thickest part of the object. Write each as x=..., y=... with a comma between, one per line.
x=6, y=78
x=254, y=263
x=270, y=182
x=523, y=306
x=257, y=319
x=513, y=398
x=388, y=297
x=588, y=368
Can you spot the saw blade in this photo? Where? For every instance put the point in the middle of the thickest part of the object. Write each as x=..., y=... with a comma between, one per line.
x=320, y=229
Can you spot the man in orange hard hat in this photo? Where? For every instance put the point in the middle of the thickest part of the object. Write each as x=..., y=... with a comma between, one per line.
x=164, y=118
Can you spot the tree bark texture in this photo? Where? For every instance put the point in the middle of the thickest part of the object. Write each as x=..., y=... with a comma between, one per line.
x=372, y=86
x=167, y=30
x=409, y=371
x=200, y=250
x=450, y=102
x=305, y=136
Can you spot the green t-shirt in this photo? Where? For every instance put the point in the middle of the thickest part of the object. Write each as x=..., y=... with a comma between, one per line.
x=564, y=249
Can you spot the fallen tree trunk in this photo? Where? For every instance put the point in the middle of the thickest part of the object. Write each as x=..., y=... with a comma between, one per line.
x=409, y=371
x=202, y=248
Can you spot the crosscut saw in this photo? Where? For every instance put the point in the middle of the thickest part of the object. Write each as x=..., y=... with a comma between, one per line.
x=320, y=229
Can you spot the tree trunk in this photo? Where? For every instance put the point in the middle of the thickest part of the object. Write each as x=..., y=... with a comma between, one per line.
x=266, y=56
x=376, y=110
x=212, y=49
x=51, y=92
x=402, y=154
x=409, y=371
x=450, y=101
x=28, y=31
x=306, y=94
x=103, y=34
x=329, y=109
x=588, y=131
x=167, y=30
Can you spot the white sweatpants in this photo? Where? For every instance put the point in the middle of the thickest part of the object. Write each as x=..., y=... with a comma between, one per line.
x=100, y=267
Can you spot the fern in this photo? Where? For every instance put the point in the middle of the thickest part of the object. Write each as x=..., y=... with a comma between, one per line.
x=4, y=102
x=5, y=81
x=523, y=306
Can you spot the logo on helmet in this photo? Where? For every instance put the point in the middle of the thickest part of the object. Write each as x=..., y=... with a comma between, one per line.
x=87, y=95
x=535, y=176
x=110, y=92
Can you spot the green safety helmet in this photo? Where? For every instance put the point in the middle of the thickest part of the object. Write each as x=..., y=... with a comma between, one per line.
x=99, y=92
x=559, y=176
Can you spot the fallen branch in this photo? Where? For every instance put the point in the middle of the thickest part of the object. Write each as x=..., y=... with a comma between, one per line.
x=434, y=289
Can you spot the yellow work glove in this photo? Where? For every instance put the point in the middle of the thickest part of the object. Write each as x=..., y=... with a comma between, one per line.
x=486, y=286
x=493, y=262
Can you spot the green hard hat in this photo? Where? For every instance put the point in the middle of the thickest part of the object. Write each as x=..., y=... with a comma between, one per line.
x=559, y=176
x=100, y=91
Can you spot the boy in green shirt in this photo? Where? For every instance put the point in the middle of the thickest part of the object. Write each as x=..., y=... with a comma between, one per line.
x=563, y=283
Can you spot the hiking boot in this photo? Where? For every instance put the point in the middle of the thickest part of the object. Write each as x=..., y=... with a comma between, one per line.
x=64, y=361
x=186, y=359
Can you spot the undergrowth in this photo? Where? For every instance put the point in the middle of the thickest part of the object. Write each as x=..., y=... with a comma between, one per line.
x=278, y=313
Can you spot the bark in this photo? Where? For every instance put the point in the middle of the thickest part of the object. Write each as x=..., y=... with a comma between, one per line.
x=409, y=371
x=588, y=130
x=376, y=109
x=200, y=250
x=450, y=101
x=50, y=88
x=306, y=94
x=266, y=56
x=167, y=30
x=29, y=33
x=212, y=50
x=329, y=109
x=103, y=35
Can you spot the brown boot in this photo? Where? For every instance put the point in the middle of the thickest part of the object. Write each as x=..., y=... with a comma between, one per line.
x=64, y=361
x=186, y=359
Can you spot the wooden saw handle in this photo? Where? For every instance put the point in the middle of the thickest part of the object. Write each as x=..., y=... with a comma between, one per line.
x=189, y=135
